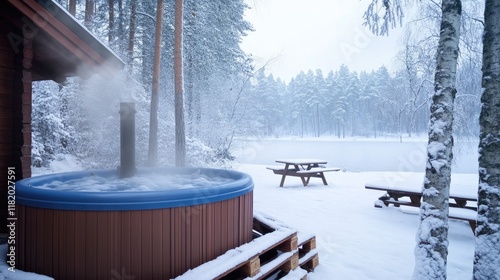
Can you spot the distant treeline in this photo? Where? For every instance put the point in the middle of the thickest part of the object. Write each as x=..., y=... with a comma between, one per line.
x=347, y=103
x=224, y=95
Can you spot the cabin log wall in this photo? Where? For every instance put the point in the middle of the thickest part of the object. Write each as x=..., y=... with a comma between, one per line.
x=15, y=110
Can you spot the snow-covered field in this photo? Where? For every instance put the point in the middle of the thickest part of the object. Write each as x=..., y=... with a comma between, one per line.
x=355, y=240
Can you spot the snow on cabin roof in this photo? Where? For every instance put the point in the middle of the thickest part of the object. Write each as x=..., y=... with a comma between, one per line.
x=62, y=47
x=78, y=25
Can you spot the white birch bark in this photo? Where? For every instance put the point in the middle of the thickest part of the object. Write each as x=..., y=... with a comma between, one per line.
x=432, y=238
x=487, y=254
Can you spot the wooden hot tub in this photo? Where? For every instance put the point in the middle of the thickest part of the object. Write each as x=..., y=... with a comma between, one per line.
x=70, y=234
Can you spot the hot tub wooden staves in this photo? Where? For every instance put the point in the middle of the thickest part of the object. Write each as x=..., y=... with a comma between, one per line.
x=145, y=244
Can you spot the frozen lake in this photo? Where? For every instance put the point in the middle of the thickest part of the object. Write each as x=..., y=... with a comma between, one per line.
x=354, y=154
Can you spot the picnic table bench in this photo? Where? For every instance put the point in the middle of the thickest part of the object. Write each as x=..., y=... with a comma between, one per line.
x=303, y=168
x=406, y=190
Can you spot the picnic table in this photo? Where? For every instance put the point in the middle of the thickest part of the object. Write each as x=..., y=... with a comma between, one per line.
x=303, y=168
x=406, y=189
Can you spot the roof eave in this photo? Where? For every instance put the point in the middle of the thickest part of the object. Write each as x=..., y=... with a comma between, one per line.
x=91, y=55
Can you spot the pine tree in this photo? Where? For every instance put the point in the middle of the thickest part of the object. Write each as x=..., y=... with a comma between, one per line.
x=49, y=131
x=180, y=136
x=153, y=120
x=72, y=7
x=89, y=12
x=342, y=102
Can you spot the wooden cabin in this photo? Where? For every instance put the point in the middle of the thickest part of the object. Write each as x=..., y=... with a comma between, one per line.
x=39, y=40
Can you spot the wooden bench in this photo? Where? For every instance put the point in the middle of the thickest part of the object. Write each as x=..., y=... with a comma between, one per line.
x=317, y=170
x=392, y=197
x=458, y=210
x=464, y=214
x=305, y=173
x=455, y=213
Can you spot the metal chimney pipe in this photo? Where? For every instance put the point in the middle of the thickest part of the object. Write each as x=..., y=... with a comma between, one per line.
x=127, y=139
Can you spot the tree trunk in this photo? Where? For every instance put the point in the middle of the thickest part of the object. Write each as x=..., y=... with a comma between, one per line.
x=432, y=239
x=120, y=33
x=301, y=125
x=317, y=120
x=111, y=18
x=188, y=91
x=189, y=68
x=130, y=50
x=487, y=254
x=89, y=12
x=180, y=137
x=153, y=114
x=72, y=7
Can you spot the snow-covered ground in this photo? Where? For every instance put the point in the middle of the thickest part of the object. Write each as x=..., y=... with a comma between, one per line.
x=355, y=240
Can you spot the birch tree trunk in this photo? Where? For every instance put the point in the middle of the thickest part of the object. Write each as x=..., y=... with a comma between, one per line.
x=487, y=254
x=180, y=137
x=153, y=114
x=431, y=251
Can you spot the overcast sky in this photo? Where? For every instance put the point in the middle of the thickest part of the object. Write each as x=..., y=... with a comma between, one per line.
x=295, y=35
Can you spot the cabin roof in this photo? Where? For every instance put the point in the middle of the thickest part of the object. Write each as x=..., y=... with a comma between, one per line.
x=62, y=47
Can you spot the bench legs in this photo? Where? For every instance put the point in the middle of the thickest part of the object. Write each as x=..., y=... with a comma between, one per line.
x=323, y=178
x=305, y=181
x=391, y=197
x=285, y=171
x=473, y=226
x=283, y=180
x=305, y=178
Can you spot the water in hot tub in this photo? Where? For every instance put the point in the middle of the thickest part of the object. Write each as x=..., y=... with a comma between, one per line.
x=139, y=182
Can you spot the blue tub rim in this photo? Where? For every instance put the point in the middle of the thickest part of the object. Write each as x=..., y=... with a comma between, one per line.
x=28, y=195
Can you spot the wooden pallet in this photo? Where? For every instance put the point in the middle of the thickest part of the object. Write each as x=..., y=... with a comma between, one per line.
x=276, y=251
x=281, y=254
x=256, y=259
x=306, y=247
x=308, y=255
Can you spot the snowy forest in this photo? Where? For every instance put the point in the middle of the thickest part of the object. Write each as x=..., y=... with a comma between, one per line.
x=443, y=83
x=226, y=95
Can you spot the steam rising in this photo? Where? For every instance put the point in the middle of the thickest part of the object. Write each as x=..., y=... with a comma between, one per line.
x=141, y=182
x=97, y=105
